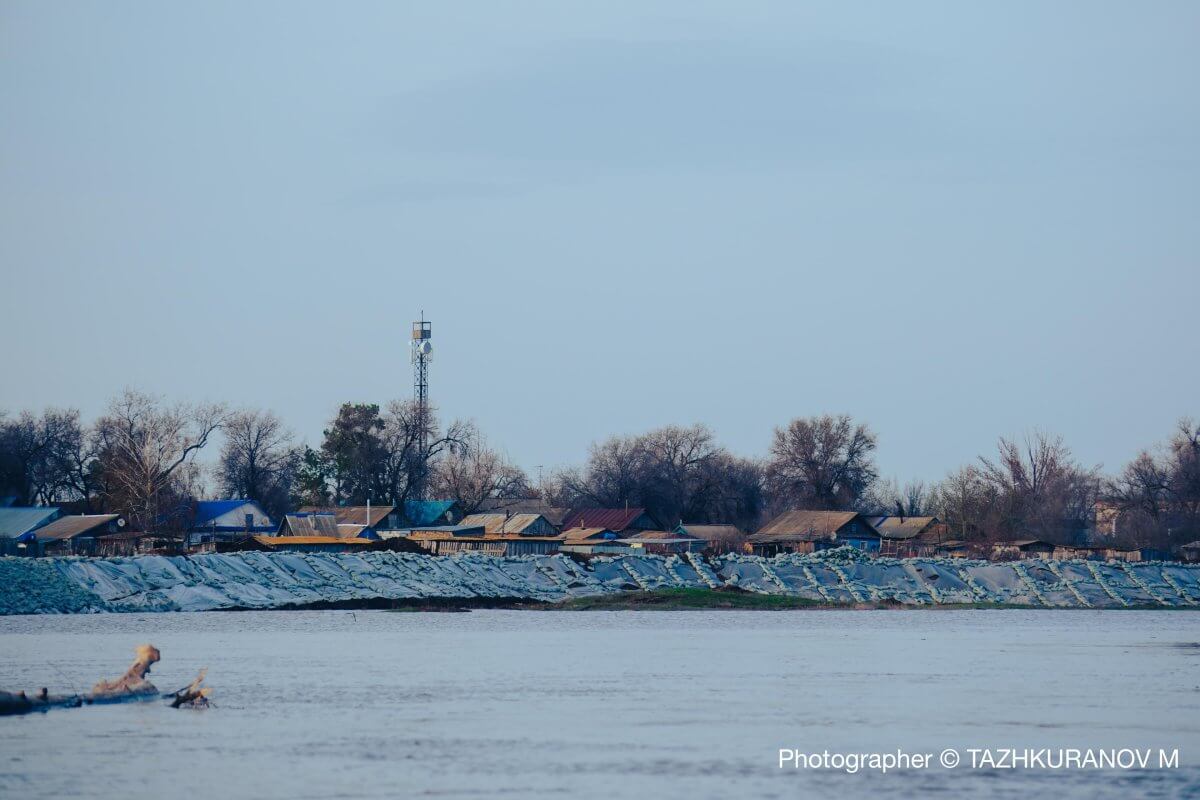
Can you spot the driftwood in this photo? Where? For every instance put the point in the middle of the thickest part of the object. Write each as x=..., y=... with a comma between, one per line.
x=131, y=686
x=193, y=695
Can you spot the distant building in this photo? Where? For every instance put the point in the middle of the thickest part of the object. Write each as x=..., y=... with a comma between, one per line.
x=323, y=524
x=908, y=537
x=622, y=521
x=1190, y=552
x=227, y=520
x=804, y=531
x=311, y=544
x=717, y=538
x=520, y=505
x=591, y=540
x=75, y=535
x=664, y=542
x=497, y=523
x=17, y=524
x=1022, y=548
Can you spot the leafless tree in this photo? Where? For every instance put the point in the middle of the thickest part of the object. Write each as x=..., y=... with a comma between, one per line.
x=473, y=472
x=824, y=462
x=258, y=460
x=148, y=450
x=1157, y=495
x=1035, y=487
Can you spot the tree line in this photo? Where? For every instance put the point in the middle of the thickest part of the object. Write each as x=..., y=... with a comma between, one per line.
x=140, y=458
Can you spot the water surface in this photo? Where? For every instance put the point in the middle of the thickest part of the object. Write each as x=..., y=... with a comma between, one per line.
x=599, y=704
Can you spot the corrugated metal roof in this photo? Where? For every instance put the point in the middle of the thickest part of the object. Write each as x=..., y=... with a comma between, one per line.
x=353, y=515
x=513, y=505
x=662, y=536
x=615, y=519
x=16, y=520
x=309, y=524
x=902, y=527
x=70, y=527
x=503, y=523
x=712, y=533
x=583, y=534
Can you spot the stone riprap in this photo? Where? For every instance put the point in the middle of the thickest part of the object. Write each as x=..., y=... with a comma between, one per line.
x=278, y=580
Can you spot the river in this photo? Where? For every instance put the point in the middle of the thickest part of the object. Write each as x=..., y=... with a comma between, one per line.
x=522, y=704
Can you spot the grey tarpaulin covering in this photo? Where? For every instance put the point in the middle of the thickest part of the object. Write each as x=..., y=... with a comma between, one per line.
x=273, y=580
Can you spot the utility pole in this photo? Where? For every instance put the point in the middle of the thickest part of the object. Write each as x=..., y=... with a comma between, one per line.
x=422, y=353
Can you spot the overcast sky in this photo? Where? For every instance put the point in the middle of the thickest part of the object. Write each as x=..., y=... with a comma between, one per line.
x=951, y=220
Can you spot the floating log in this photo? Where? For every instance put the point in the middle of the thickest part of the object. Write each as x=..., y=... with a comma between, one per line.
x=193, y=695
x=129, y=687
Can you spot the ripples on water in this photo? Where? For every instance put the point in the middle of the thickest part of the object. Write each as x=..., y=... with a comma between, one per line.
x=599, y=704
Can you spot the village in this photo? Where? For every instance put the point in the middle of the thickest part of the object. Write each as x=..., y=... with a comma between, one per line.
x=512, y=527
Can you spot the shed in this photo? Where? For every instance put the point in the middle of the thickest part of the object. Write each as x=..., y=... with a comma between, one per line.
x=664, y=542
x=906, y=537
x=523, y=505
x=717, y=538
x=1022, y=548
x=1190, y=552
x=376, y=517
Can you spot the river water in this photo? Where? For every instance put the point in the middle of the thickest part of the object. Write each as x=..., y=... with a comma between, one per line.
x=528, y=704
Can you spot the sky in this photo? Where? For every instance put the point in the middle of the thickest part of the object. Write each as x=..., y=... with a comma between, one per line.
x=953, y=221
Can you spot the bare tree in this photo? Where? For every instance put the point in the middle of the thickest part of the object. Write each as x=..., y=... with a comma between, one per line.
x=1036, y=488
x=258, y=460
x=473, y=472
x=824, y=462
x=148, y=451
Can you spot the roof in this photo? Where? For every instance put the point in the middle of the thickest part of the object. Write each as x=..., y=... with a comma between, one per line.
x=15, y=521
x=208, y=510
x=426, y=531
x=902, y=527
x=615, y=519
x=1190, y=545
x=501, y=522
x=353, y=515
x=309, y=524
x=711, y=533
x=277, y=541
x=1022, y=543
x=70, y=527
x=581, y=534
x=661, y=536
x=426, y=512
x=808, y=526
x=521, y=505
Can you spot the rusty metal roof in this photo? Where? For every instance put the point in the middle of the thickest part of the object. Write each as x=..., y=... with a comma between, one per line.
x=615, y=519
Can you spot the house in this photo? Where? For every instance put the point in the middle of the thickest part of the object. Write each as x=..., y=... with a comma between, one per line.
x=497, y=523
x=804, y=531
x=17, y=524
x=664, y=542
x=717, y=538
x=622, y=521
x=591, y=540
x=75, y=535
x=501, y=545
x=311, y=544
x=1022, y=548
x=378, y=518
x=423, y=513
x=226, y=520
x=908, y=537
x=319, y=523
x=521, y=505
x=1190, y=552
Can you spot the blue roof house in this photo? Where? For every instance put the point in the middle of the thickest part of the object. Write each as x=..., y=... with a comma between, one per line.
x=227, y=520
